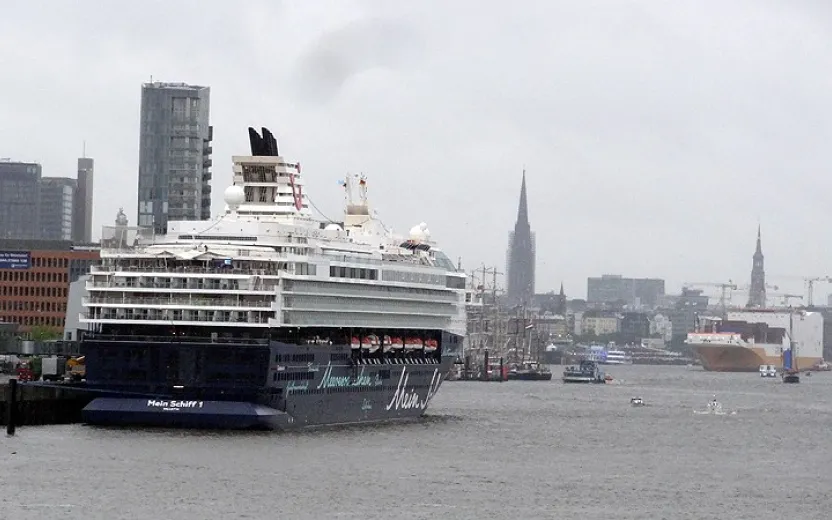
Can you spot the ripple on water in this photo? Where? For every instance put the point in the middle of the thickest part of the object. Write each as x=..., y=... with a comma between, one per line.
x=502, y=450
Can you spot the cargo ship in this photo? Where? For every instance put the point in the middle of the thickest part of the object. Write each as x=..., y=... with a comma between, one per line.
x=267, y=317
x=742, y=340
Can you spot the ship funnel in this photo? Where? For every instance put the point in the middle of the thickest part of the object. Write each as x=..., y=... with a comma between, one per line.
x=262, y=146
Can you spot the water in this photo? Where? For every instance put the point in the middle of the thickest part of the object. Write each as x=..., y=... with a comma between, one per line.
x=488, y=450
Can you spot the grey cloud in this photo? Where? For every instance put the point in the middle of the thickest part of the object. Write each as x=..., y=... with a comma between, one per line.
x=337, y=55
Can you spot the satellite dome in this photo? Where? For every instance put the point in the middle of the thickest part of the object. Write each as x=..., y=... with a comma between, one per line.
x=419, y=233
x=333, y=227
x=234, y=196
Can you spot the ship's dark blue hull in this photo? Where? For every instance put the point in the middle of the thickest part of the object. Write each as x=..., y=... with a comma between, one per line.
x=184, y=414
x=273, y=386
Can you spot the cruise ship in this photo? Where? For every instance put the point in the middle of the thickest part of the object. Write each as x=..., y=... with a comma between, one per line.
x=743, y=340
x=267, y=317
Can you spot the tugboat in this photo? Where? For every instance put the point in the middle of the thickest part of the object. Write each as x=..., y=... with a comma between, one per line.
x=530, y=371
x=586, y=372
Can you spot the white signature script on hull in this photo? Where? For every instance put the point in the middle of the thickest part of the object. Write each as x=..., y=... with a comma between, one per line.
x=330, y=381
x=408, y=398
x=173, y=405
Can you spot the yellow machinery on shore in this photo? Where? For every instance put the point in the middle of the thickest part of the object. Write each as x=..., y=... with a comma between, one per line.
x=76, y=370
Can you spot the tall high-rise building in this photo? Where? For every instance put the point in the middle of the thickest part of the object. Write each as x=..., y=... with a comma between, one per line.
x=82, y=211
x=57, y=206
x=174, y=154
x=19, y=199
x=757, y=291
x=520, y=257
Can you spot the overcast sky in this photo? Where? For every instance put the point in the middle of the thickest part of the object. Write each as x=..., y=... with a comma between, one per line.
x=655, y=135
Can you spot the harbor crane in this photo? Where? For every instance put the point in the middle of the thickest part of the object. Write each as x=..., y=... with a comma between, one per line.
x=724, y=288
x=786, y=297
x=747, y=288
x=809, y=282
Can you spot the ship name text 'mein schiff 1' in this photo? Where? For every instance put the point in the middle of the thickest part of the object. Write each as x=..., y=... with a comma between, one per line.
x=266, y=317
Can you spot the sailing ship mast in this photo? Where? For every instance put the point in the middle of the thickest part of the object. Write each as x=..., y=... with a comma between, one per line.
x=792, y=374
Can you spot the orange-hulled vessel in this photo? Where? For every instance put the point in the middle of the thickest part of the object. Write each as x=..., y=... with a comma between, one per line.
x=742, y=340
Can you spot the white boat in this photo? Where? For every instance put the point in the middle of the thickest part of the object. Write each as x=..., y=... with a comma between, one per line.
x=768, y=371
x=636, y=401
x=617, y=357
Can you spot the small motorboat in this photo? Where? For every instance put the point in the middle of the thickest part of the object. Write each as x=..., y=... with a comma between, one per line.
x=636, y=401
x=768, y=371
x=714, y=408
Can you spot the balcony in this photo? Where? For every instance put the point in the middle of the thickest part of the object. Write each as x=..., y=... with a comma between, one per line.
x=241, y=320
x=162, y=271
x=264, y=304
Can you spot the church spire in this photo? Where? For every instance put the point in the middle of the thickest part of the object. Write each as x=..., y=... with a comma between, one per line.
x=757, y=291
x=523, y=208
x=759, y=250
x=561, y=302
x=520, y=257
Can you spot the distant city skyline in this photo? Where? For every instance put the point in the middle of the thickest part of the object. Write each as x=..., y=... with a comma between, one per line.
x=38, y=207
x=662, y=173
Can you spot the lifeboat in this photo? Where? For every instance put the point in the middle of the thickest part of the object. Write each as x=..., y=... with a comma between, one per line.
x=386, y=343
x=412, y=343
x=397, y=343
x=431, y=345
x=355, y=343
x=370, y=343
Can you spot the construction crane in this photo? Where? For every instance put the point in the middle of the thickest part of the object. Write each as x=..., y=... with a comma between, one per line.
x=747, y=288
x=810, y=283
x=786, y=297
x=723, y=287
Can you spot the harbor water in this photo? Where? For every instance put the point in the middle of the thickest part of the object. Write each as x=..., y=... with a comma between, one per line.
x=486, y=450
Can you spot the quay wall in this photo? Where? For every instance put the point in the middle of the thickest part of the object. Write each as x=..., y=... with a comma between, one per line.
x=40, y=405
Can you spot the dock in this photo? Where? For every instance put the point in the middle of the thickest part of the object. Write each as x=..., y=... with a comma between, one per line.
x=30, y=404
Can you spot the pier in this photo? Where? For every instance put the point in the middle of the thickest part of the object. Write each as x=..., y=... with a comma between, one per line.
x=26, y=404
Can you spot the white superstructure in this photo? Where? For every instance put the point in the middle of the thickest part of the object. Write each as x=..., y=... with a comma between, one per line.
x=266, y=262
x=618, y=357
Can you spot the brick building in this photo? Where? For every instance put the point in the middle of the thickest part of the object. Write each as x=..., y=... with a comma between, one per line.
x=34, y=280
